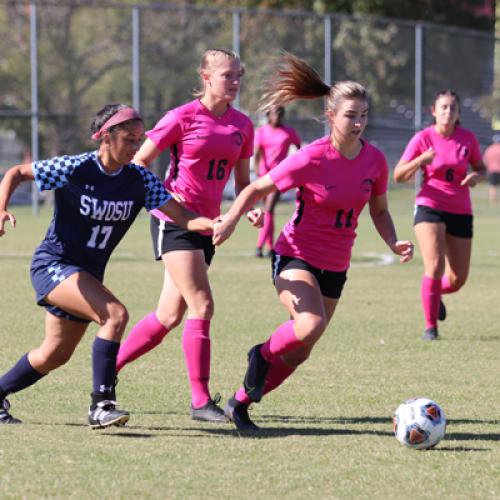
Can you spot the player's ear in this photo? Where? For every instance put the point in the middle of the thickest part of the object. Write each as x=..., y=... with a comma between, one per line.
x=106, y=137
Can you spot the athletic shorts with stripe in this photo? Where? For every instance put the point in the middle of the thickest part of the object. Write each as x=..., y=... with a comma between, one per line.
x=167, y=236
x=330, y=283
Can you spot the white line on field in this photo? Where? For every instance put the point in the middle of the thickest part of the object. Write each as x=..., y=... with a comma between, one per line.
x=376, y=259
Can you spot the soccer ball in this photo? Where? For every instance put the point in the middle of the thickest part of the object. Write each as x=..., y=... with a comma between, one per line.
x=419, y=423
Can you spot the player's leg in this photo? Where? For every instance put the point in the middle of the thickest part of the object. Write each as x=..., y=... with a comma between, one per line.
x=188, y=269
x=431, y=241
x=61, y=338
x=299, y=292
x=85, y=297
x=283, y=366
x=269, y=206
x=459, y=231
x=152, y=329
x=271, y=363
x=458, y=254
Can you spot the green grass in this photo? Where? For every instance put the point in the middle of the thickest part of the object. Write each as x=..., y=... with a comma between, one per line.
x=327, y=431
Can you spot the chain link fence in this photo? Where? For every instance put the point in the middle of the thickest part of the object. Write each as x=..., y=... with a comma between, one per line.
x=60, y=63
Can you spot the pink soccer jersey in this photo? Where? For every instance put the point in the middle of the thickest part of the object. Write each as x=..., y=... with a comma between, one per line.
x=274, y=143
x=331, y=193
x=203, y=150
x=441, y=187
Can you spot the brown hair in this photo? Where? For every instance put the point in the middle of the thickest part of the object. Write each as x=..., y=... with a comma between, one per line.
x=295, y=79
x=207, y=61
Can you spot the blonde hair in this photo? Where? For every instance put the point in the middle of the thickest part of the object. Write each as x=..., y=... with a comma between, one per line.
x=295, y=79
x=208, y=61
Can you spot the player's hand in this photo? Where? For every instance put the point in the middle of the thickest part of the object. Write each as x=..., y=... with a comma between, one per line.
x=178, y=198
x=223, y=228
x=471, y=179
x=404, y=249
x=427, y=156
x=256, y=217
x=4, y=217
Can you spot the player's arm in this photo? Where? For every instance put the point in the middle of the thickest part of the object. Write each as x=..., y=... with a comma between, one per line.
x=244, y=201
x=147, y=153
x=382, y=220
x=241, y=181
x=405, y=170
x=13, y=177
x=185, y=218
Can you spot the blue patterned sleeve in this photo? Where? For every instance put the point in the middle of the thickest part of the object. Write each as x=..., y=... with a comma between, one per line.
x=55, y=172
x=156, y=194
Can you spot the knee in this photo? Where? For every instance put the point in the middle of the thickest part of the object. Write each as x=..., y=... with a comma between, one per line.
x=457, y=282
x=309, y=329
x=202, y=308
x=434, y=268
x=170, y=320
x=117, y=318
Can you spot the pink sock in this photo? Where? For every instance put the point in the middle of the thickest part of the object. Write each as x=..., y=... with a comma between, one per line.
x=431, y=295
x=270, y=229
x=280, y=342
x=144, y=336
x=266, y=231
x=277, y=374
x=446, y=286
x=196, y=346
x=242, y=397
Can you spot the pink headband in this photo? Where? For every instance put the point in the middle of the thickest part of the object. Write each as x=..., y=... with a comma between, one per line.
x=124, y=115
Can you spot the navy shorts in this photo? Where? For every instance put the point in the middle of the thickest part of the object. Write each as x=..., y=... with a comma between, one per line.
x=46, y=273
x=458, y=225
x=494, y=178
x=330, y=283
x=167, y=236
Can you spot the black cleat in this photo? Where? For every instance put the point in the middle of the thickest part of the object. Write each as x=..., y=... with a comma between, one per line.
x=210, y=412
x=255, y=377
x=442, y=311
x=430, y=334
x=258, y=252
x=237, y=413
x=106, y=414
x=5, y=416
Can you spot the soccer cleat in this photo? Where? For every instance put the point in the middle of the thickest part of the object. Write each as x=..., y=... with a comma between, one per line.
x=255, y=377
x=237, y=413
x=442, y=311
x=209, y=412
x=430, y=334
x=106, y=414
x=5, y=416
x=258, y=252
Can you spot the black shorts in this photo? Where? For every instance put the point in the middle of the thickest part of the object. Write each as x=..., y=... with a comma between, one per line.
x=494, y=178
x=458, y=225
x=330, y=283
x=167, y=236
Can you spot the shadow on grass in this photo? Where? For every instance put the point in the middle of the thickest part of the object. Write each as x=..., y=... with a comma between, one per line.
x=361, y=420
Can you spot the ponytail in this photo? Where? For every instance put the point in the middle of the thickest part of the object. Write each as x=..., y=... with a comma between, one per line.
x=294, y=79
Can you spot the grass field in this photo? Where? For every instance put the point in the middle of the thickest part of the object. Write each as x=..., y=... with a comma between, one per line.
x=327, y=431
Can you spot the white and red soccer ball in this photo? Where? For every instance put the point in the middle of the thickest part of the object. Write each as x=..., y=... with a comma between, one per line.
x=419, y=423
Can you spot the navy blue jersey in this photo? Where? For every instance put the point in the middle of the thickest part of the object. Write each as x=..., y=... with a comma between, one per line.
x=93, y=209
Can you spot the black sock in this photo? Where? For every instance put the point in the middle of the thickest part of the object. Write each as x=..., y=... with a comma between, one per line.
x=104, y=354
x=20, y=376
